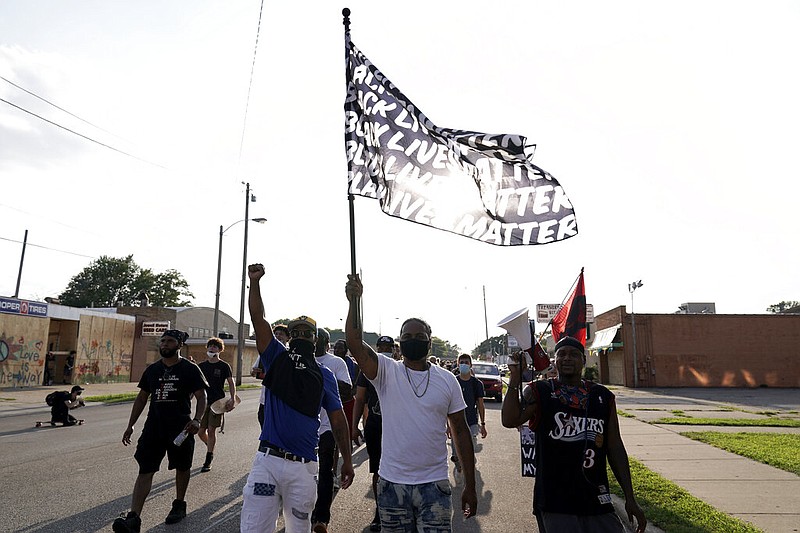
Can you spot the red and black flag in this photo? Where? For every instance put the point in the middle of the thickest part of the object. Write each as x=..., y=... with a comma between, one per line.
x=570, y=321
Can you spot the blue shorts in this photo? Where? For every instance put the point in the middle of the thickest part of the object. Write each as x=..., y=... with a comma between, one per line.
x=411, y=508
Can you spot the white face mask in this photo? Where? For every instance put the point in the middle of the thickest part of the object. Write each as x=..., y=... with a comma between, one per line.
x=211, y=355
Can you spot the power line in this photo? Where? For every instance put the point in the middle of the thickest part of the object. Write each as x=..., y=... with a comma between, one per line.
x=47, y=248
x=250, y=86
x=58, y=107
x=39, y=216
x=81, y=135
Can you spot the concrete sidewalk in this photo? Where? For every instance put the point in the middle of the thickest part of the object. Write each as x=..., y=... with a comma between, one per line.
x=767, y=497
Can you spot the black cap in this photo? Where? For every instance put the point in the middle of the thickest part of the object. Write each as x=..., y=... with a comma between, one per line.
x=78, y=389
x=570, y=341
x=385, y=339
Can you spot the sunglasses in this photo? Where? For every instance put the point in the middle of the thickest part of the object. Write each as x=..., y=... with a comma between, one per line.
x=305, y=333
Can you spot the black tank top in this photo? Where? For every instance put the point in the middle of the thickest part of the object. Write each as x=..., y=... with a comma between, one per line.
x=570, y=425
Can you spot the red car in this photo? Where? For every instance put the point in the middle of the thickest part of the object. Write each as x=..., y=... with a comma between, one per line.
x=489, y=375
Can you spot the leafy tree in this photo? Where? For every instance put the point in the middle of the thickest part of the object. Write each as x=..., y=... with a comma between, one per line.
x=495, y=344
x=782, y=306
x=109, y=280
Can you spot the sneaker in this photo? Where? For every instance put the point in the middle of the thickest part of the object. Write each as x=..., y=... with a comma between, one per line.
x=177, y=513
x=207, y=464
x=128, y=524
x=320, y=527
x=376, y=522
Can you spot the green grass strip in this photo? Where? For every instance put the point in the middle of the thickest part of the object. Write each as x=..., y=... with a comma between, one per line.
x=673, y=509
x=112, y=398
x=130, y=396
x=774, y=449
x=753, y=422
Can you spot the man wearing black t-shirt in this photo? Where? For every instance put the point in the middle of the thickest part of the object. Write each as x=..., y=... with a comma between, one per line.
x=63, y=402
x=472, y=390
x=170, y=384
x=216, y=372
x=576, y=428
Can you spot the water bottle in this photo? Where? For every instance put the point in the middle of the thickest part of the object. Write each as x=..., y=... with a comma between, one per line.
x=180, y=438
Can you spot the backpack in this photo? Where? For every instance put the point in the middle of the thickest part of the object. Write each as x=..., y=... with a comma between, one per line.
x=50, y=399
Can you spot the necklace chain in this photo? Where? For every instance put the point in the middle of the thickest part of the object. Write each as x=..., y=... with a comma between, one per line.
x=416, y=387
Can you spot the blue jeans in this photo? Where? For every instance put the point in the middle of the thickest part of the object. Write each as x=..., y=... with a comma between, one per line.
x=423, y=508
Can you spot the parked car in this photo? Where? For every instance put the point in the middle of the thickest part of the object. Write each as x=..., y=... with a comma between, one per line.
x=489, y=375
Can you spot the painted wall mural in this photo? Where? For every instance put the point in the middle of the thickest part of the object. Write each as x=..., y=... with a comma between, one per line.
x=22, y=350
x=104, y=350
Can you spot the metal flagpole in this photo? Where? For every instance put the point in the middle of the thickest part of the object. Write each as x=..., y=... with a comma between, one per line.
x=350, y=196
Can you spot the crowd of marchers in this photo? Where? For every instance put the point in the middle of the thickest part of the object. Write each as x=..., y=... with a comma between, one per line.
x=317, y=402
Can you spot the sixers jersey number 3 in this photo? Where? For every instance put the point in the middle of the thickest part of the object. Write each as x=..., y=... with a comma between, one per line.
x=570, y=426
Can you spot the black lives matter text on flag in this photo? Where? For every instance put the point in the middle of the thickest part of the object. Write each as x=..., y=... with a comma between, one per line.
x=474, y=184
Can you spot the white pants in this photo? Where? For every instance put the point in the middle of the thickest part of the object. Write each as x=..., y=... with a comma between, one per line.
x=274, y=483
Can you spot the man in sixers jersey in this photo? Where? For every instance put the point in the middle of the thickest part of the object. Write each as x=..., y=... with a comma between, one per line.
x=576, y=428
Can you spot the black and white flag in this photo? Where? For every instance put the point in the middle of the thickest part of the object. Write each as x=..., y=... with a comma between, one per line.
x=474, y=184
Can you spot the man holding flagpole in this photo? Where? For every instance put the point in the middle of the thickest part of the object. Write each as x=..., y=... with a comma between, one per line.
x=418, y=400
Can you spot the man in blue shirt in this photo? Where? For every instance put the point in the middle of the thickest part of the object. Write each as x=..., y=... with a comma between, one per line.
x=285, y=468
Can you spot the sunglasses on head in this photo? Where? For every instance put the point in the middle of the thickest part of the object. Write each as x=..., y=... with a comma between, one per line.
x=305, y=333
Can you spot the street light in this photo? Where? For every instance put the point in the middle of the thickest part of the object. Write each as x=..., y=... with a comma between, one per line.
x=260, y=220
x=240, y=348
x=631, y=288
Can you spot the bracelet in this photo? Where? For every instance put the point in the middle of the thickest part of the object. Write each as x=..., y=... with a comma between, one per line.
x=513, y=387
x=483, y=423
x=195, y=420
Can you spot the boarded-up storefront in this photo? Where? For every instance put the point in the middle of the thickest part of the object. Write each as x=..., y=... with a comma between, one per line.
x=23, y=345
x=105, y=345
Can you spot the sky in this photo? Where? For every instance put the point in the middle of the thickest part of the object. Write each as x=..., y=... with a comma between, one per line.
x=671, y=127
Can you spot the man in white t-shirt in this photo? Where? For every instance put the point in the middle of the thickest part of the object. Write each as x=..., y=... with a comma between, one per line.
x=281, y=333
x=418, y=401
x=327, y=444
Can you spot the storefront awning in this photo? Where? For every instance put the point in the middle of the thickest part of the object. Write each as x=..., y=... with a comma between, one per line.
x=604, y=338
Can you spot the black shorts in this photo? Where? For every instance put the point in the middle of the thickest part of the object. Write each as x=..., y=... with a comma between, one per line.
x=372, y=438
x=152, y=446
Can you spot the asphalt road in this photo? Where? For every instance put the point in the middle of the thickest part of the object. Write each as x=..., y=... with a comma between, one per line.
x=78, y=479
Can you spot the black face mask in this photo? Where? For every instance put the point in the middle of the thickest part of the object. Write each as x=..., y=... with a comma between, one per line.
x=414, y=349
x=302, y=346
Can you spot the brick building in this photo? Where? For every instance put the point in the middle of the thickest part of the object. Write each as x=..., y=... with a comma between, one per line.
x=698, y=350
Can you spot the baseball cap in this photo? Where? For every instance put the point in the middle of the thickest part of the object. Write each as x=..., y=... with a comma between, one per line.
x=303, y=320
x=385, y=339
x=77, y=388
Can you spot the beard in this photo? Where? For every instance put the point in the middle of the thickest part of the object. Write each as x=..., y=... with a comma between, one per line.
x=167, y=353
